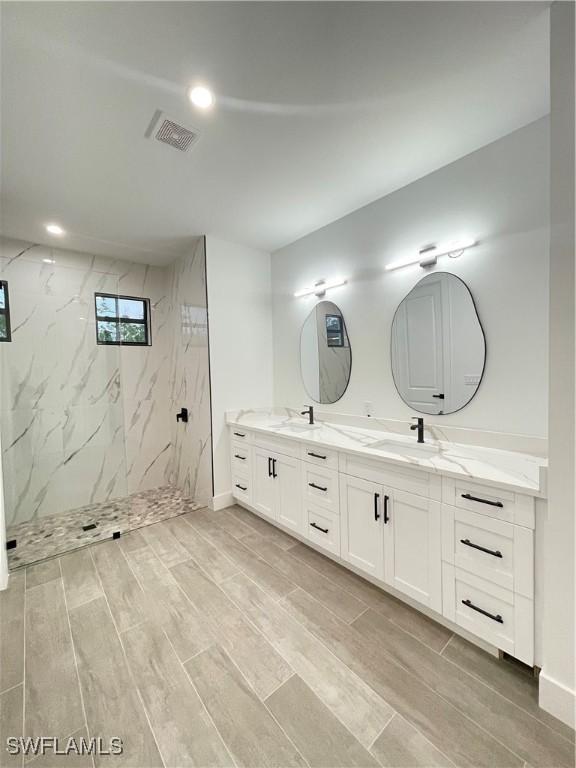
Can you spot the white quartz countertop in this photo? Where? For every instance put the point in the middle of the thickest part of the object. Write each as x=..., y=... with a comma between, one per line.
x=508, y=469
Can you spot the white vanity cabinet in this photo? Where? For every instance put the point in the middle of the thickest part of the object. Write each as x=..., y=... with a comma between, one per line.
x=462, y=548
x=393, y=536
x=362, y=523
x=277, y=487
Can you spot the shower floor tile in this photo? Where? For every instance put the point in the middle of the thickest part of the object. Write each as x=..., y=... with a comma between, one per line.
x=50, y=536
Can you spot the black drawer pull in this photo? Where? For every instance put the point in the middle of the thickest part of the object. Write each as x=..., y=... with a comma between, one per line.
x=237, y=456
x=316, y=455
x=269, y=466
x=274, y=473
x=376, y=513
x=318, y=487
x=482, y=501
x=494, y=552
x=497, y=618
x=239, y=434
x=241, y=487
x=440, y=396
x=318, y=528
x=386, y=515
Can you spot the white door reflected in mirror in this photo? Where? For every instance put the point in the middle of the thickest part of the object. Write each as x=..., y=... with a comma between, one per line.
x=438, y=345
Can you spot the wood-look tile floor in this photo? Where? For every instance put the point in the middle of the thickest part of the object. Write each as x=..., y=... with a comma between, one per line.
x=213, y=639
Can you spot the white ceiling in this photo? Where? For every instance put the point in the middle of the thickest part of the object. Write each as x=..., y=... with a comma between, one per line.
x=322, y=108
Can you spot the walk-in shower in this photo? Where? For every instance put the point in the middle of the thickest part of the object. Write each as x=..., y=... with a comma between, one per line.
x=97, y=357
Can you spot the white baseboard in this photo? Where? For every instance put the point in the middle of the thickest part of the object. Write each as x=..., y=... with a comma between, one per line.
x=222, y=501
x=557, y=699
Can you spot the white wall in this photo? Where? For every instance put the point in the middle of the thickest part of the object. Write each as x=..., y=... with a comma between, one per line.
x=498, y=194
x=240, y=328
x=557, y=680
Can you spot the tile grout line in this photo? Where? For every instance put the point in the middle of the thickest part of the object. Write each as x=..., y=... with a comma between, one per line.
x=355, y=674
x=413, y=674
x=263, y=701
x=75, y=655
x=126, y=658
x=446, y=644
x=182, y=663
x=513, y=703
x=241, y=570
x=392, y=716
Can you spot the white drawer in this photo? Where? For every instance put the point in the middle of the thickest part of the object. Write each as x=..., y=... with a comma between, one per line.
x=240, y=435
x=489, y=500
x=323, y=528
x=392, y=476
x=492, y=549
x=324, y=457
x=501, y=617
x=321, y=487
x=277, y=445
x=241, y=488
x=241, y=459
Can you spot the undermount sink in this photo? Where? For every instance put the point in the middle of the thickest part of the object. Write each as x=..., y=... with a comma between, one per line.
x=405, y=449
x=295, y=429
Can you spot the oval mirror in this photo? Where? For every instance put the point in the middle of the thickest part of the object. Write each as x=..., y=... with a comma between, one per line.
x=438, y=346
x=325, y=354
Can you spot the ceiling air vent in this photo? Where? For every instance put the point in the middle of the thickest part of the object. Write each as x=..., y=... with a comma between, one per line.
x=171, y=133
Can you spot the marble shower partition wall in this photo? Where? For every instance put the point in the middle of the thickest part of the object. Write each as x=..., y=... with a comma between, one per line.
x=190, y=377
x=84, y=423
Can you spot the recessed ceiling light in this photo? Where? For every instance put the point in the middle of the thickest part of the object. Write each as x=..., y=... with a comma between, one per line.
x=201, y=97
x=49, y=261
x=54, y=229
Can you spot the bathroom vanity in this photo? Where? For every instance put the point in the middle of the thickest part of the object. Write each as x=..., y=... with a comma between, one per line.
x=448, y=527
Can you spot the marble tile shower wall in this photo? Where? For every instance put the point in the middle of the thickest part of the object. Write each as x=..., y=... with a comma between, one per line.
x=83, y=423
x=189, y=376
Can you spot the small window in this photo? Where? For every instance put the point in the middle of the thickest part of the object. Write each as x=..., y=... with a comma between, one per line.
x=5, y=334
x=122, y=320
x=334, y=331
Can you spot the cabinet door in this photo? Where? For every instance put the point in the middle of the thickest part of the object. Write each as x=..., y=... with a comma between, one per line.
x=263, y=484
x=288, y=481
x=412, y=547
x=361, y=510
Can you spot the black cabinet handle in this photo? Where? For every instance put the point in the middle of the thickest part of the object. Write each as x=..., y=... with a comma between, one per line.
x=497, y=618
x=269, y=466
x=440, y=396
x=318, y=487
x=376, y=513
x=274, y=475
x=386, y=515
x=237, y=456
x=481, y=501
x=239, y=434
x=241, y=487
x=318, y=528
x=494, y=552
x=316, y=455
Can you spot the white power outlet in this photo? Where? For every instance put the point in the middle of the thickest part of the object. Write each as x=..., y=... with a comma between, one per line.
x=367, y=408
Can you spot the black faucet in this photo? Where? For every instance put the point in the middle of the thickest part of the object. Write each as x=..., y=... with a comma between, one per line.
x=420, y=427
x=310, y=413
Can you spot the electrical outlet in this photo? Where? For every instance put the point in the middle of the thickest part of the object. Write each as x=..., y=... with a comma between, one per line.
x=367, y=408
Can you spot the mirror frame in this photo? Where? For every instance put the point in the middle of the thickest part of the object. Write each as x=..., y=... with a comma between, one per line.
x=465, y=284
x=300, y=351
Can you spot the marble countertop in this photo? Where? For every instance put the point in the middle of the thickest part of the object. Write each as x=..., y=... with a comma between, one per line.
x=507, y=469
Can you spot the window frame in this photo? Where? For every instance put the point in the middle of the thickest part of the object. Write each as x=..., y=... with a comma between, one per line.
x=340, y=332
x=146, y=321
x=6, y=311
